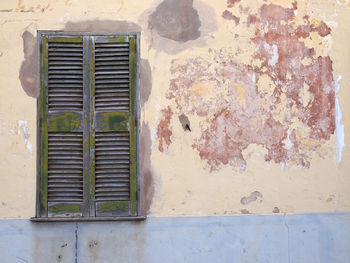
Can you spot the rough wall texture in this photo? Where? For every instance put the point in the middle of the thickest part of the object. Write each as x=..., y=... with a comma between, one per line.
x=241, y=101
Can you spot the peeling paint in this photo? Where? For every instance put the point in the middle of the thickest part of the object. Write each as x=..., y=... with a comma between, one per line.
x=229, y=16
x=277, y=101
x=23, y=130
x=251, y=198
x=275, y=210
x=163, y=131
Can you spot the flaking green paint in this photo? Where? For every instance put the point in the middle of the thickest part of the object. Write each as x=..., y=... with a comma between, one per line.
x=113, y=121
x=66, y=121
x=66, y=39
x=118, y=39
x=113, y=206
x=133, y=128
x=43, y=165
x=65, y=208
x=92, y=128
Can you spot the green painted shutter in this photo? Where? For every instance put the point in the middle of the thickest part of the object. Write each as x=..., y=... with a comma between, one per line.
x=113, y=140
x=62, y=183
x=87, y=126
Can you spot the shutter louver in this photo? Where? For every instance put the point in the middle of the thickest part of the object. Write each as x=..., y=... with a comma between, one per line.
x=112, y=76
x=65, y=76
x=112, y=166
x=65, y=167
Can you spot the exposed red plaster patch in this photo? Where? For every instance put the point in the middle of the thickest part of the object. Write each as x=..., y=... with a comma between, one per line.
x=323, y=30
x=252, y=19
x=231, y=3
x=238, y=114
x=274, y=14
x=229, y=16
x=163, y=131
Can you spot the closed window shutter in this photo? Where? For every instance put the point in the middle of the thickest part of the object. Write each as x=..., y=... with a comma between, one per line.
x=114, y=132
x=87, y=126
x=62, y=184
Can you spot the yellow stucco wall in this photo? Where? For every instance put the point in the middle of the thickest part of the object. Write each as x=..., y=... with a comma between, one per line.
x=184, y=183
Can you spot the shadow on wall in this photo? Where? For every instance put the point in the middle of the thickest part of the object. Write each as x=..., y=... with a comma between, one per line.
x=28, y=75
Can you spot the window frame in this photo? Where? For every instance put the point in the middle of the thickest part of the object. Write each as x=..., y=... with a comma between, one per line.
x=54, y=33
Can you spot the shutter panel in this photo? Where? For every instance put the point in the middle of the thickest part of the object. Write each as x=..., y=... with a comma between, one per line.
x=63, y=190
x=114, y=183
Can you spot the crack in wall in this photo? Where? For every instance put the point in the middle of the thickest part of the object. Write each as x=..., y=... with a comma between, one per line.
x=288, y=236
x=76, y=243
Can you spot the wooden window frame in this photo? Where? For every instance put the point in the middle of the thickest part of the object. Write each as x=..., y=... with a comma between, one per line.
x=42, y=214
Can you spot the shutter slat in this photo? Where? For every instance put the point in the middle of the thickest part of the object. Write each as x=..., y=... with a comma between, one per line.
x=111, y=45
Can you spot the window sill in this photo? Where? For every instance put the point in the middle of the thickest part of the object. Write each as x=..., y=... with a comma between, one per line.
x=86, y=219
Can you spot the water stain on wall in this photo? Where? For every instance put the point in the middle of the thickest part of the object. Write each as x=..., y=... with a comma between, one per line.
x=176, y=20
x=147, y=180
x=145, y=81
x=29, y=68
x=283, y=100
x=173, y=30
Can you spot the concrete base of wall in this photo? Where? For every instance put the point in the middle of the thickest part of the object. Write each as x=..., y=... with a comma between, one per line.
x=251, y=238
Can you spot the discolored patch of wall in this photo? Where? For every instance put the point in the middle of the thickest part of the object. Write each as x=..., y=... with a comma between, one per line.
x=147, y=180
x=176, y=20
x=29, y=68
x=251, y=198
x=187, y=28
x=145, y=81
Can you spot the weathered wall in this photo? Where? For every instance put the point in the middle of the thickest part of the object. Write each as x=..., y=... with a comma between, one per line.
x=248, y=239
x=241, y=101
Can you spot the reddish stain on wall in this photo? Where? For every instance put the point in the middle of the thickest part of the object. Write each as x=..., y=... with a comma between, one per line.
x=229, y=16
x=239, y=114
x=163, y=131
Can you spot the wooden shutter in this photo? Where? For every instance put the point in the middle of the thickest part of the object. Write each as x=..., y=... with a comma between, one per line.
x=62, y=180
x=114, y=183
x=87, y=126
